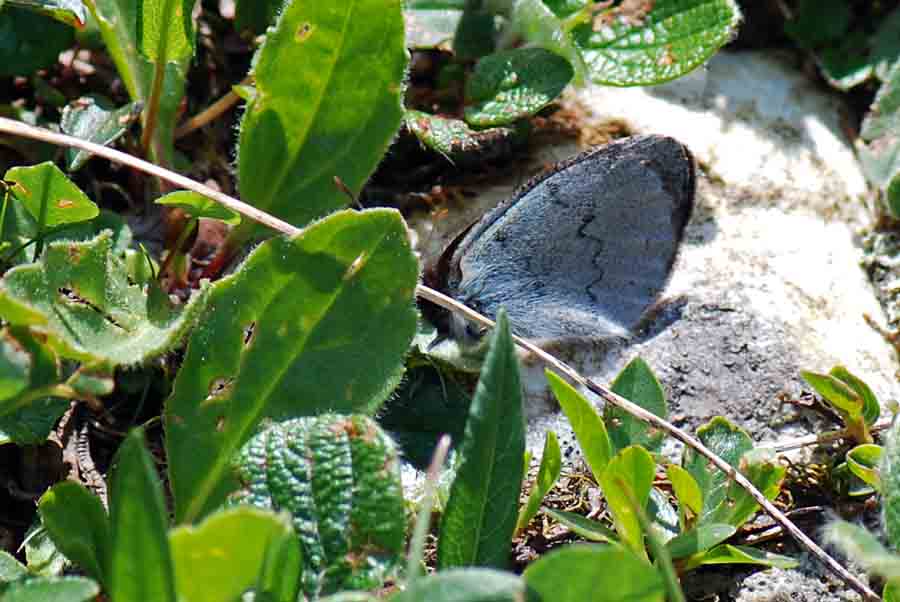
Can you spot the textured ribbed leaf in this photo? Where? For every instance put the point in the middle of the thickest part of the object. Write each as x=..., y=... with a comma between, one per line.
x=594, y=573
x=140, y=563
x=319, y=322
x=93, y=118
x=510, y=85
x=636, y=383
x=481, y=512
x=330, y=115
x=92, y=312
x=338, y=477
x=78, y=525
x=50, y=197
x=225, y=555
x=656, y=42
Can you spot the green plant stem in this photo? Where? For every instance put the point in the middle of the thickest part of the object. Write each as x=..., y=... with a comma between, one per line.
x=423, y=518
x=11, y=126
x=212, y=112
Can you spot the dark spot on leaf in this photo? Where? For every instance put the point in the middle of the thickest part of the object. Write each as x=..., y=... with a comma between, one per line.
x=303, y=32
x=249, y=331
x=219, y=387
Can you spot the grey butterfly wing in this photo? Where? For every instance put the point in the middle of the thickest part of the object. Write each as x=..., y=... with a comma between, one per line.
x=585, y=250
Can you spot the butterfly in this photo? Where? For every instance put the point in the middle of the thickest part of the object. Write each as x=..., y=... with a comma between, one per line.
x=581, y=251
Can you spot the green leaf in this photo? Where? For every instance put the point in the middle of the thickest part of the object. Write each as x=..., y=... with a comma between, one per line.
x=338, y=478
x=818, y=22
x=548, y=472
x=15, y=366
x=871, y=407
x=225, y=555
x=42, y=555
x=165, y=29
x=310, y=324
x=466, y=585
x=730, y=443
x=49, y=196
x=686, y=489
x=33, y=423
x=30, y=41
x=863, y=461
x=92, y=312
x=594, y=573
x=890, y=479
x=196, y=205
x=10, y=568
x=514, y=84
x=475, y=34
x=295, y=139
x=844, y=399
x=70, y=12
x=586, y=422
x=140, y=562
x=699, y=539
x=636, y=383
x=640, y=47
x=766, y=473
x=78, y=525
x=880, y=132
x=627, y=480
x=891, y=591
x=729, y=554
x=480, y=517
x=454, y=139
x=865, y=549
x=93, y=118
x=589, y=529
x=51, y=589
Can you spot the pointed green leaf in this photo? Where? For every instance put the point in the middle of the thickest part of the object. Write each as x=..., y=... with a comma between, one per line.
x=548, y=472
x=729, y=554
x=627, y=480
x=93, y=313
x=594, y=573
x=514, y=84
x=314, y=323
x=835, y=392
x=165, y=29
x=338, y=478
x=863, y=461
x=78, y=525
x=589, y=529
x=636, y=383
x=225, y=555
x=196, y=205
x=586, y=422
x=478, y=522
x=49, y=196
x=93, y=118
x=766, y=473
x=51, y=589
x=296, y=136
x=140, y=563
x=699, y=539
x=871, y=408
x=467, y=585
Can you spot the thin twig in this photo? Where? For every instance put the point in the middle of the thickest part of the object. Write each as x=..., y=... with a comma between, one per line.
x=212, y=112
x=824, y=438
x=22, y=129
